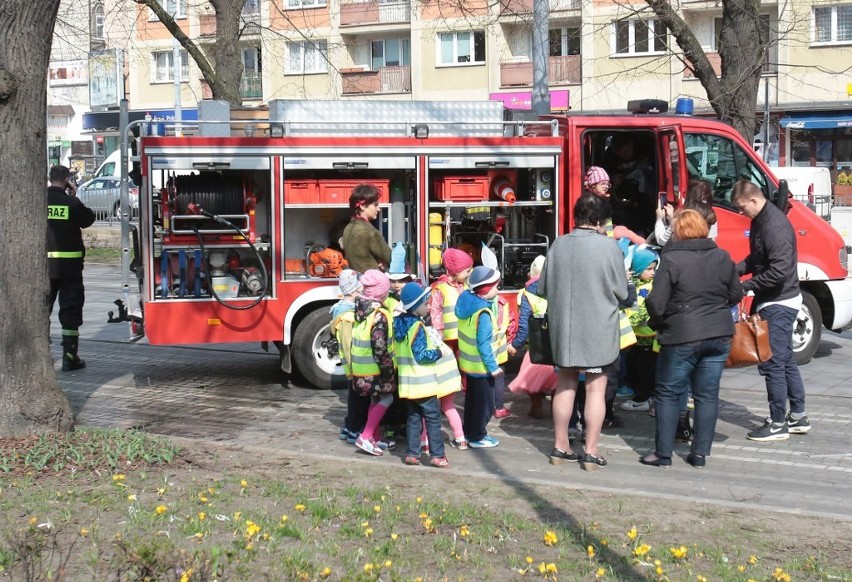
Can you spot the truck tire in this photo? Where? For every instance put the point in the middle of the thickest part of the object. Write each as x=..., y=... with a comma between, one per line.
x=807, y=329
x=311, y=357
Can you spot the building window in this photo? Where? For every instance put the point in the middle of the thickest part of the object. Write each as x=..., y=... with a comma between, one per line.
x=390, y=52
x=177, y=8
x=98, y=22
x=639, y=37
x=832, y=24
x=564, y=41
x=251, y=7
x=307, y=57
x=289, y=4
x=461, y=47
x=163, y=67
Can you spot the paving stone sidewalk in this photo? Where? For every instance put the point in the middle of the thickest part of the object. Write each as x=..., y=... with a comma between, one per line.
x=232, y=394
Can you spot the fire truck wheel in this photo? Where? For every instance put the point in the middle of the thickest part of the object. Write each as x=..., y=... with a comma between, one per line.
x=807, y=330
x=315, y=352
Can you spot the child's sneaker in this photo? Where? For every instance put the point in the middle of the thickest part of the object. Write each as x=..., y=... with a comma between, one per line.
x=502, y=413
x=460, y=444
x=344, y=434
x=424, y=447
x=440, y=462
x=353, y=436
x=625, y=392
x=368, y=446
x=631, y=404
x=386, y=444
x=487, y=442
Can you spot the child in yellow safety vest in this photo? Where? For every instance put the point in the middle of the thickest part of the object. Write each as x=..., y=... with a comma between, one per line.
x=641, y=358
x=373, y=368
x=478, y=346
x=427, y=370
x=342, y=323
x=536, y=380
x=445, y=293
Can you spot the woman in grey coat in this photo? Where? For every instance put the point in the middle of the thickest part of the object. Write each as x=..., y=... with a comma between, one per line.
x=583, y=280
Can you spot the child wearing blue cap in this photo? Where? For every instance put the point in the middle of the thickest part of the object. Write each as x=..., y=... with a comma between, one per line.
x=478, y=346
x=426, y=371
x=641, y=357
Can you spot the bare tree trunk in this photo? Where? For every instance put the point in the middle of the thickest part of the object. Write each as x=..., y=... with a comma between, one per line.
x=224, y=75
x=30, y=398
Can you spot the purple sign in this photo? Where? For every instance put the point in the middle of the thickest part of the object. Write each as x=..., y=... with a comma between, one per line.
x=523, y=99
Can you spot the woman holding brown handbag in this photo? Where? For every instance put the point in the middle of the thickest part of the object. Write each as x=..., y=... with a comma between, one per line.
x=689, y=307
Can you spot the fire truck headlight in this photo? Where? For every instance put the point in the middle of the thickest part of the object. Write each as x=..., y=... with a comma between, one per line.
x=420, y=131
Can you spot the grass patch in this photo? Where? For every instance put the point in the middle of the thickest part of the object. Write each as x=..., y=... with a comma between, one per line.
x=107, y=255
x=239, y=515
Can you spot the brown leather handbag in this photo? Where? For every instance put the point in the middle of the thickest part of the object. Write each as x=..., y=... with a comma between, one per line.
x=750, y=344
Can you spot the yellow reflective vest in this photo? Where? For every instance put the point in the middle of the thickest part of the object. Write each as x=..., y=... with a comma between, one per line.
x=470, y=361
x=343, y=325
x=625, y=331
x=450, y=295
x=363, y=363
x=537, y=304
x=424, y=380
x=501, y=339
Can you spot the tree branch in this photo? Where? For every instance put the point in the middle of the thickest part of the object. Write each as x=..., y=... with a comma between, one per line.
x=690, y=46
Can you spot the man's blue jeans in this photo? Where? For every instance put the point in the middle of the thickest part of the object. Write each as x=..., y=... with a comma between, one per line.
x=699, y=365
x=428, y=410
x=783, y=380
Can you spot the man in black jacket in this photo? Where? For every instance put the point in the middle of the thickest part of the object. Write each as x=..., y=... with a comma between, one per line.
x=772, y=262
x=66, y=216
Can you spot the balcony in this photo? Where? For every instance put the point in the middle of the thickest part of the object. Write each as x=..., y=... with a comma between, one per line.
x=560, y=71
x=517, y=7
x=358, y=13
x=395, y=79
x=249, y=21
x=769, y=68
x=251, y=87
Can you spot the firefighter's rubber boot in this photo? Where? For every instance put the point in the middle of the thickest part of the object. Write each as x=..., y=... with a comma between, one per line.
x=70, y=360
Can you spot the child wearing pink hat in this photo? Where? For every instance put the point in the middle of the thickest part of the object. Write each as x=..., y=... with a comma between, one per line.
x=373, y=372
x=597, y=182
x=445, y=293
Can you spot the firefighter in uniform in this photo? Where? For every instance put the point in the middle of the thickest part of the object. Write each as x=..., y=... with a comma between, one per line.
x=66, y=216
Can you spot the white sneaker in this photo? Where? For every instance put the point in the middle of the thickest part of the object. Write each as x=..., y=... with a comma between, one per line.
x=368, y=446
x=636, y=406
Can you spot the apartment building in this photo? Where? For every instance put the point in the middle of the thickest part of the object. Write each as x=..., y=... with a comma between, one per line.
x=601, y=53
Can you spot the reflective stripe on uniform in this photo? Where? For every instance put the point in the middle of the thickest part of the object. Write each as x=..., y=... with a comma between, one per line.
x=58, y=212
x=64, y=254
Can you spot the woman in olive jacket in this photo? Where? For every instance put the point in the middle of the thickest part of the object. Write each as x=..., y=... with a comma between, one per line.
x=690, y=309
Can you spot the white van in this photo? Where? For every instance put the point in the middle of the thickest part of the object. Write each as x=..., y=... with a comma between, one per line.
x=809, y=185
x=111, y=166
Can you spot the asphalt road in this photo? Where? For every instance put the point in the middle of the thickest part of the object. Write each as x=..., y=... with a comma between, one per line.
x=234, y=394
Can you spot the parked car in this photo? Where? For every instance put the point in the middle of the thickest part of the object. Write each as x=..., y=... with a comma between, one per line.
x=809, y=185
x=103, y=195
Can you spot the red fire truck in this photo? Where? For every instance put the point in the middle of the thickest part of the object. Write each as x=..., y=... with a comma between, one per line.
x=223, y=252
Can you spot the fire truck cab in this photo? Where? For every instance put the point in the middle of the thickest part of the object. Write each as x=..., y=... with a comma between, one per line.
x=224, y=249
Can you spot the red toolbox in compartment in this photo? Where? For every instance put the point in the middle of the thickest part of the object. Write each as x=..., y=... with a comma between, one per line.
x=301, y=192
x=462, y=188
x=338, y=191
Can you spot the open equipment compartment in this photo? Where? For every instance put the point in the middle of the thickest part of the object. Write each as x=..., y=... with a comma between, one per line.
x=208, y=229
x=502, y=201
